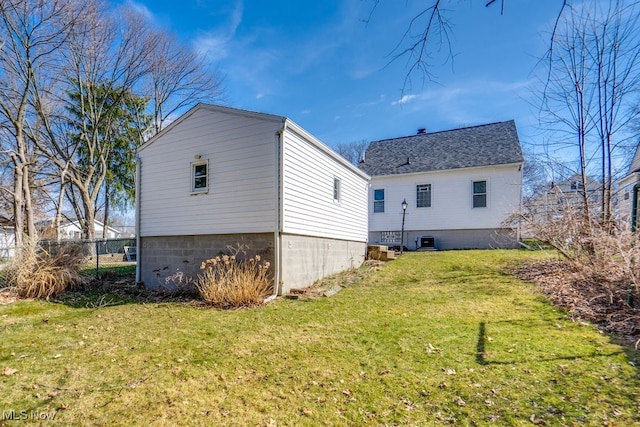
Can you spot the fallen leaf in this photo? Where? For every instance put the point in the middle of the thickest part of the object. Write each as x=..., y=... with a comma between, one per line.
x=8, y=371
x=431, y=349
x=537, y=421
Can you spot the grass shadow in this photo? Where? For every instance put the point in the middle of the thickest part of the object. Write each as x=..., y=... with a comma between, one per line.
x=633, y=355
x=480, y=345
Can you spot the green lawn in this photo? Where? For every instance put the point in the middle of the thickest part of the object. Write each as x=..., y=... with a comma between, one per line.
x=433, y=338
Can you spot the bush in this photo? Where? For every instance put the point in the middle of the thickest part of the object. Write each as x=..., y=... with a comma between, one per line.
x=599, y=276
x=36, y=273
x=227, y=282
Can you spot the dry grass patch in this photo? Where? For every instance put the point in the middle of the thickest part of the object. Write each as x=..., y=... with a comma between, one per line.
x=37, y=273
x=228, y=282
x=595, y=295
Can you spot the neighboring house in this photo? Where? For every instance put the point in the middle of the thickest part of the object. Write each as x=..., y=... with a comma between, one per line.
x=629, y=193
x=218, y=177
x=568, y=194
x=7, y=238
x=459, y=185
x=72, y=230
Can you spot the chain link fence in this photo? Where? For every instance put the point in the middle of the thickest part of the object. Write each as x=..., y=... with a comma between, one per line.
x=98, y=255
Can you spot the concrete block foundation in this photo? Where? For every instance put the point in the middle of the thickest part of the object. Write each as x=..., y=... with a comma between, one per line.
x=173, y=261
x=490, y=238
x=306, y=259
x=170, y=262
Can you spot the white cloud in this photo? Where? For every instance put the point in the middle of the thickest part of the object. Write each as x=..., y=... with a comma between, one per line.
x=404, y=100
x=214, y=44
x=141, y=9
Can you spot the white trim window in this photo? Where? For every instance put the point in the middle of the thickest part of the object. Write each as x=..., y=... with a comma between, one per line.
x=337, y=189
x=200, y=177
x=480, y=194
x=423, y=195
x=378, y=200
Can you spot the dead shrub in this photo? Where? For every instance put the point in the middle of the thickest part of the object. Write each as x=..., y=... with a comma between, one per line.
x=230, y=282
x=599, y=276
x=37, y=273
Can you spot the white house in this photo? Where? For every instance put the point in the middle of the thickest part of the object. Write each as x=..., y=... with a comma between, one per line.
x=219, y=176
x=568, y=194
x=71, y=230
x=7, y=238
x=459, y=186
x=629, y=193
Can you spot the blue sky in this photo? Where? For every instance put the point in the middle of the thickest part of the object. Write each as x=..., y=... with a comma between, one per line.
x=320, y=64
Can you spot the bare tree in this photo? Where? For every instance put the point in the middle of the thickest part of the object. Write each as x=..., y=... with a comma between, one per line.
x=178, y=78
x=58, y=59
x=104, y=52
x=353, y=151
x=593, y=75
x=31, y=31
x=430, y=31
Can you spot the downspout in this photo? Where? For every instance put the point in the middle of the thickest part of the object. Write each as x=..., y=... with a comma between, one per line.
x=521, y=204
x=634, y=228
x=137, y=222
x=277, y=247
x=634, y=208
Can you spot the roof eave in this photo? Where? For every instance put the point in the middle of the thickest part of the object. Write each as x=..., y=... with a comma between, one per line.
x=448, y=170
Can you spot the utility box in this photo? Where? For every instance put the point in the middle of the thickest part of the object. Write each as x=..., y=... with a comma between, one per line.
x=427, y=242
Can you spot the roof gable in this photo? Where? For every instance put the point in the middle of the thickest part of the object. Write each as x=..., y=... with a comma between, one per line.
x=476, y=146
x=635, y=163
x=211, y=108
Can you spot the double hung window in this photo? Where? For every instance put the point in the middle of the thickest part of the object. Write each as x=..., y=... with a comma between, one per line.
x=378, y=200
x=199, y=177
x=479, y=194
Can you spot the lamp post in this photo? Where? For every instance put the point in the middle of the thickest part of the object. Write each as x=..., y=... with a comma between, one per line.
x=404, y=212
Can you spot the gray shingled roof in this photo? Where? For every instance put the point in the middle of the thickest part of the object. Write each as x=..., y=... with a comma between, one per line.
x=484, y=145
x=635, y=163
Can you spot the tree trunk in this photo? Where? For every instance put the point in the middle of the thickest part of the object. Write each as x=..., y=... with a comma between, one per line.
x=28, y=204
x=18, y=203
x=107, y=195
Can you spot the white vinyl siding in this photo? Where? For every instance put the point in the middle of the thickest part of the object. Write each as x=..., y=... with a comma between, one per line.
x=241, y=176
x=452, y=205
x=308, y=208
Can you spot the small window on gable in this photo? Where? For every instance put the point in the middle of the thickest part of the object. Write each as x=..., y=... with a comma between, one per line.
x=337, y=189
x=479, y=194
x=423, y=196
x=199, y=177
x=378, y=201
